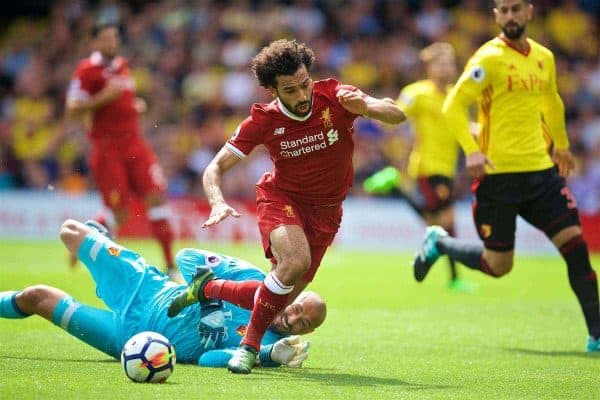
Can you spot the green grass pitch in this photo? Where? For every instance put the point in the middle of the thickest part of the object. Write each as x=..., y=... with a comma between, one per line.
x=386, y=336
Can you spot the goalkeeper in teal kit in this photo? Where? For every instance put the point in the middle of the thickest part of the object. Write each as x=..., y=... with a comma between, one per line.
x=138, y=296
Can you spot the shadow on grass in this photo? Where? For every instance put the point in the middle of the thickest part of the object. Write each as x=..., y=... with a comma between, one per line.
x=552, y=353
x=343, y=379
x=105, y=360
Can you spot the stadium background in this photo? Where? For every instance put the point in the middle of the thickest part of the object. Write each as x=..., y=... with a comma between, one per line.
x=190, y=61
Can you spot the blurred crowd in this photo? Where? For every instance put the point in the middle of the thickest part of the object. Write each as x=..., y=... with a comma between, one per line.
x=190, y=60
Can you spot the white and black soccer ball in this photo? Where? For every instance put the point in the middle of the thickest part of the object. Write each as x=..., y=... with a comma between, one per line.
x=148, y=357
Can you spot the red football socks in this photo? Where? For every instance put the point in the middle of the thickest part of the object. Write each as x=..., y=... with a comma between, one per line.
x=266, y=307
x=271, y=297
x=238, y=293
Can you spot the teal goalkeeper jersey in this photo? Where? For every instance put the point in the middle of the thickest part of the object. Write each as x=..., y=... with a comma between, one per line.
x=148, y=310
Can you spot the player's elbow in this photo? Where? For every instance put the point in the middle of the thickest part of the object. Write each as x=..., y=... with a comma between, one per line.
x=212, y=169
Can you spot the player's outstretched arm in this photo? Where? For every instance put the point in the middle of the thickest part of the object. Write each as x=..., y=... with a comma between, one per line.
x=384, y=110
x=211, y=180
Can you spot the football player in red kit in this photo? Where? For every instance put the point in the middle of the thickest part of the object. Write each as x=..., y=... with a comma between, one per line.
x=307, y=130
x=121, y=162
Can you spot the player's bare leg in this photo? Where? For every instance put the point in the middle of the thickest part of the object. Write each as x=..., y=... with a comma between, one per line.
x=40, y=300
x=292, y=252
x=298, y=288
x=499, y=262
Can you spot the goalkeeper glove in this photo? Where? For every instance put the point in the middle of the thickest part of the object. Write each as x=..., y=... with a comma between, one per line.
x=290, y=351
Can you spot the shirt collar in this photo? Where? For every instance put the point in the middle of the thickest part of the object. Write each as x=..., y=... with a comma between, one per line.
x=96, y=58
x=290, y=114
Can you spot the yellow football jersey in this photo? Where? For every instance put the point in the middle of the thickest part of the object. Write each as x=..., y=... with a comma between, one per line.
x=435, y=149
x=518, y=106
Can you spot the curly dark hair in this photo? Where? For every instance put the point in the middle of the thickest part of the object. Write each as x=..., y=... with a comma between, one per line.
x=281, y=57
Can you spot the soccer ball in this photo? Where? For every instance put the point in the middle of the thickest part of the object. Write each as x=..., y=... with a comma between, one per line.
x=148, y=357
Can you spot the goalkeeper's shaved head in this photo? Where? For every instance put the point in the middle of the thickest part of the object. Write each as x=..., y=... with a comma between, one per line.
x=315, y=301
x=304, y=315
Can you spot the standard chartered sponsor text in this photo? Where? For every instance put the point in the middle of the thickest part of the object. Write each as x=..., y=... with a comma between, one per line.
x=297, y=147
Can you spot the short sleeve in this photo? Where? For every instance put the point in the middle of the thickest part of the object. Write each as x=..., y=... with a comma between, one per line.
x=84, y=83
x=246, y=137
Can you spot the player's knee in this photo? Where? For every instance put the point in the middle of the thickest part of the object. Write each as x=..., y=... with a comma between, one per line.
x=501, y=267
x=566, y=235
x=300, y=262
x=72, y=234
x=31, y=296
x=69, y=229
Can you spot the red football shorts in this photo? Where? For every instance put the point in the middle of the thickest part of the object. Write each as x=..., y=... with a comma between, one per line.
x=320, y=223
x=125, y=169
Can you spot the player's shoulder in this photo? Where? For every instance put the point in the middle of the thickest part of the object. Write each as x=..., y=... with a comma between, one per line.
x=410, y=94
x=329, y=87
x=90, y=64
x=85, y=65
x=491, y=50
x=539, y=48
x=262, y=113
x=326, y=84
x=418, y=87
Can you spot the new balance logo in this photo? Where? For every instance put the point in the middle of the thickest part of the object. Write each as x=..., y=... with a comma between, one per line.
x=279, y=131
x=332, y=136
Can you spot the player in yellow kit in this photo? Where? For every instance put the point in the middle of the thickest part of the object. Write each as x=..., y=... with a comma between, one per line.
x=434, y=154
x=513, y=80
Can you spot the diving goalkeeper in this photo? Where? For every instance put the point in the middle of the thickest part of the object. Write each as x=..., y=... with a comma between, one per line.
x=138, y=296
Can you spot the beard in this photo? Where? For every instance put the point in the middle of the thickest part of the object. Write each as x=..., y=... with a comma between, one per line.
x=513, y=31
x=295, y=109
x=300, y=113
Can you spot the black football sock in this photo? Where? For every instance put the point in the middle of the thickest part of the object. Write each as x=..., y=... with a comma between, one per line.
x=452, y=265
x=466, y=252
x=451, y=262
x=399, y=193
x=583, y=281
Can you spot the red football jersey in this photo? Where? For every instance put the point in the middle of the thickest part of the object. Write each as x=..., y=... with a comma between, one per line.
x=312, y=154
x=119, y=118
